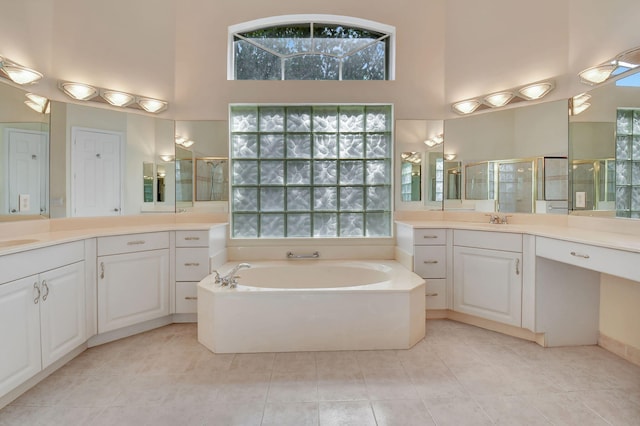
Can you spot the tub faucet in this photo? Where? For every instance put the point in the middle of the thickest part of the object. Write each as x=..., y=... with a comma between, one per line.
x=231, y=279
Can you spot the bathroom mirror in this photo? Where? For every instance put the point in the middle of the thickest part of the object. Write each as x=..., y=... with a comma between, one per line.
x=604, y=151
x=502, y=158
x=140, y=141
x=24, y=157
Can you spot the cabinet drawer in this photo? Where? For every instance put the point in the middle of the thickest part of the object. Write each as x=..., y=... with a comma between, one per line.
x=610, y=261
x=132, y=243
x=192, y=238
x=186, y=297
x=430, y=261
x=429, y=237
x=488, y=240
x=192, y=264
x=435, y=294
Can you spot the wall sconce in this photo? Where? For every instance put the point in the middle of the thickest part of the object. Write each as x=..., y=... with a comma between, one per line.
x=17, y=73
x=450, y=157
x=183, y=142
x=436, y=140
x=529, y=92
x=85, y=92
x=579, y=103
x=38, y=103
x=621, y=64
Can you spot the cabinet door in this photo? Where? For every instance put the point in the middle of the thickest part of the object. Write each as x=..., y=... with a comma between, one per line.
x=488, y=284
x=19, y=332
x=132, y=288
x=62, y=311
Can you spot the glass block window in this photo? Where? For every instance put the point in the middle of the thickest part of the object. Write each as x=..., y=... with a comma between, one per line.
x=330, y=48
x=628, y=163
x=311, y=171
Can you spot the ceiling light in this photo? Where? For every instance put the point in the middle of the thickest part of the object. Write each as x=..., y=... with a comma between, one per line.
x=430, y=143
x=79, y=91
x=17, y=73
x=535, y=91
x=598, y=74
x=188, y=143
x=449, y=157
x=152, y=105
x=580, y=108
x=166, y=158
x=580, y=99
x=119, y=99
x=499, y=99
x=466, y=107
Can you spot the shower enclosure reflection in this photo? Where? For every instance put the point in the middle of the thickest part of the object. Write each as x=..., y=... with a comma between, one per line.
x=410, y=175
x=212, y=179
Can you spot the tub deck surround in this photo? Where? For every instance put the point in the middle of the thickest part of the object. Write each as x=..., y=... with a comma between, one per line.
x=285, y=307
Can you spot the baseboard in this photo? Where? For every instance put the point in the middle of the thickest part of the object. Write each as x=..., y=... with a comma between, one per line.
x=185, y=318
x=509, y=330
x=121, y=333
x=628, y=352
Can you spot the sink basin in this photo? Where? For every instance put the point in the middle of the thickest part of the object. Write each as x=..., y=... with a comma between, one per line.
x=11, y=243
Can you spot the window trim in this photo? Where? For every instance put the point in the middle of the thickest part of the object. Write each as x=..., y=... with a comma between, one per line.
x=308, y=18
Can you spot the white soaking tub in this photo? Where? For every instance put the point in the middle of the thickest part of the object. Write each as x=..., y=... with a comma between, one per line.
x=317, y=305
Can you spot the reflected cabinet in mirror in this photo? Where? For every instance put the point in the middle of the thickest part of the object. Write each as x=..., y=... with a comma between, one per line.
x=511, y=161
x=605, y=151
x=24, y=157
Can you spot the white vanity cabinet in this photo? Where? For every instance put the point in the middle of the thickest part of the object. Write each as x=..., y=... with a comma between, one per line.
x=192, y=265
x=487, y=277
x=430, y=262
x=42, y=315
x=133, y=279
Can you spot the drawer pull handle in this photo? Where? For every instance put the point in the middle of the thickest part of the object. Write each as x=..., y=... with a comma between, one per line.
x=46, y=288
x=192, y=238
x=584, y=256
x=430, y=262
x=517, y=266
x=431, y=294
x=430, y=236
x=190, y=298
x=101, y=270
x=135, y=243
x=37, y=288
x=192, y=264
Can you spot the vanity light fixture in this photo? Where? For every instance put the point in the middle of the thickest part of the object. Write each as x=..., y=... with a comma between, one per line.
x=152, y=105
x=167, y=158
x=579, y=103
x=497, y=100
x=85, y=92
x=119, y=99
x=529, y=92
x=535, y=91
x=17, y=73
x=184, y=142
x=38, y=103
x=78, y=91
x=450, y=157
x=621, y=64
x=436, y=140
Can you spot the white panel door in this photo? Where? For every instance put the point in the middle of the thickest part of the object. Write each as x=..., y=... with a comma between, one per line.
x=19, y=332
x=27, y=171
x=132, y=288
x=488, y=284
x=62, y=311
x=96, y=172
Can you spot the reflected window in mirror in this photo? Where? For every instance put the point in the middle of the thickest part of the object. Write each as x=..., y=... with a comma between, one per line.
x=147, y=182
x=212, y=179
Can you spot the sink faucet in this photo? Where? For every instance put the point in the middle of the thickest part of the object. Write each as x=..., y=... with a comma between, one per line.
x=231, y=279
x=497, y=219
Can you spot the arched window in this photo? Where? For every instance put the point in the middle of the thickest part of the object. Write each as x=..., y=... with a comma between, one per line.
x=311, y=47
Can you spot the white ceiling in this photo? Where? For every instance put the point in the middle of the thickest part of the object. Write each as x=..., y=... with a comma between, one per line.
x=447, y=50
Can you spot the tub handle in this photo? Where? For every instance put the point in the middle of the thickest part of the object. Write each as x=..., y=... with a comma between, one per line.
x=314, y=255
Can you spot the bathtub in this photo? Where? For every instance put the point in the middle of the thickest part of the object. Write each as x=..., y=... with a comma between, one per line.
x=317, y=305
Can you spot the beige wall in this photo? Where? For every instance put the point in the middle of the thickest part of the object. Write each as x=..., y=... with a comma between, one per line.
x=620, y=309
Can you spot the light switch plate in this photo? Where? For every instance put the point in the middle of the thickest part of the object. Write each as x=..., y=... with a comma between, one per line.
x=25, y=204
x=581, y=200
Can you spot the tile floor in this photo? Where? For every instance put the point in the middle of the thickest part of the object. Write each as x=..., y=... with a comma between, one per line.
x=459, y=375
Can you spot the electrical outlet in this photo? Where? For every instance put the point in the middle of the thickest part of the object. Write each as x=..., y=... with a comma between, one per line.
x=581, y=200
